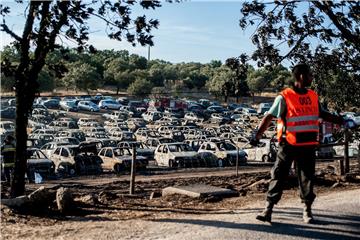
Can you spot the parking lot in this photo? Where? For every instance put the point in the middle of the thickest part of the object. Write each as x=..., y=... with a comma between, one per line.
x=91, y=135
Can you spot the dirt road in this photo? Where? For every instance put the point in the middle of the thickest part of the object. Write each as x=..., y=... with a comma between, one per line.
x=105, y=210
x=337, y=218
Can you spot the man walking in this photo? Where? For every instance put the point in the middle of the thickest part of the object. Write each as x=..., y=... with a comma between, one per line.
x=8, y=152
x=298, y=111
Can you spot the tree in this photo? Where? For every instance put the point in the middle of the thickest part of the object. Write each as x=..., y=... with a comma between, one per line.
x=82, y=76
x=258, y=80
x=156, y=75
x=46, y=80
x=137, y=62
x=240, y=68
x=220, y=84
x=141, y=87
x=45, y=22
x=283, y=32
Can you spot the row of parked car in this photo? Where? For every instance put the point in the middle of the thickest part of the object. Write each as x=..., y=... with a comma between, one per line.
x=202, y=135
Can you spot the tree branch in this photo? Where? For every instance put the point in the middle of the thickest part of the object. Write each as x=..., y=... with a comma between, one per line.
x=44, y=24
x=25, y=46
x=345, y=33
x=6, y=29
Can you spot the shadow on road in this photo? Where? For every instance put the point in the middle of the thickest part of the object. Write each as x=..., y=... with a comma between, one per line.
x=347, y=226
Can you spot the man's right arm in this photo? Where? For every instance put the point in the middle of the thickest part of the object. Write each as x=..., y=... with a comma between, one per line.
x=276, y=111
x=265, y=122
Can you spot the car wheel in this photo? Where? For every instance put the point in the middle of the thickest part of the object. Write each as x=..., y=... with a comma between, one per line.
x=91, y=109
x=220, y=163
x=265, y=158
x=72, y=171
x=118, y=168
x=106, y=107
x=172, y=163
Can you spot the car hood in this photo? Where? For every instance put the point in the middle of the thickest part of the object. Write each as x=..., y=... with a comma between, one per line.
x=184, y=154
x=234, y=152
x=129, y=158
x=39, y=161
x=145, y=151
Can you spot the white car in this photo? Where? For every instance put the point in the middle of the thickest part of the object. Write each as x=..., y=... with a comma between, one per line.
x=109, y=104
x=119, y=159
x=225, y=151
x=192, y=116
x=151, y=116
x=7, y=128
x=355, y=117
x=175, y=155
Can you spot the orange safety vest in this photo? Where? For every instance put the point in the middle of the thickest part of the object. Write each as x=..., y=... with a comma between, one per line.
x=300, y=127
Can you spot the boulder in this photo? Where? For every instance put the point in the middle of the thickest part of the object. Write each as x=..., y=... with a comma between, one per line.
x=18, y=202
x=64, y=199
x=42, y=197
x=91, y=199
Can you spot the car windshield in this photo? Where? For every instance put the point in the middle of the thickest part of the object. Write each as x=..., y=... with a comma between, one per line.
x=142, y=145
x=35, y=154
x=92, y=104
x=8, y=126
x=180, y=148
x=224, y=146
x=165, y=140
x=121, y=152
x=71, y=103
x=154, y=134
x=72, y=151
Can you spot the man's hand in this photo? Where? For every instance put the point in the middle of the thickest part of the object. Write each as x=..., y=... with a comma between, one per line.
x=254, y=141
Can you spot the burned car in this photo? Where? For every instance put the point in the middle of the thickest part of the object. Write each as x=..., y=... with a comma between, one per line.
x=141, y=149
x=37, y=162
x=225, y=151
x=119, y=159
x=77, y=159
x=176, y=155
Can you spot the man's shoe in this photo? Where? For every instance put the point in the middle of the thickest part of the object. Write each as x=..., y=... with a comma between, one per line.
x=265, y=216
x=307, y=214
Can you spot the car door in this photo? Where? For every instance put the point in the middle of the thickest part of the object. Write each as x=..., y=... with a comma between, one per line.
x=65, y=156
x=55, y=156
x=159, y=155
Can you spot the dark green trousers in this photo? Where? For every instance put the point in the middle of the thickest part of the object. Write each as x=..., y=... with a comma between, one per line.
x=304, y=158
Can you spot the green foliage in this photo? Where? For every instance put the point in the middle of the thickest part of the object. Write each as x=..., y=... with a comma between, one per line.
x=81, y=76
x=141, y=87
x=276, y=78
x=46, y=81
x=7, y=83
x=220, y=84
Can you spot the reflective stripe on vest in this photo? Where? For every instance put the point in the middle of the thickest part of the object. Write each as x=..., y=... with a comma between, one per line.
x=302, y=128
x=9, y=150
x=8, y=164
x=301, y=121
x=302, y=118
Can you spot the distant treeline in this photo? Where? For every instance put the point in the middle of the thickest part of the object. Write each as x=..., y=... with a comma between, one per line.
x=69, y=69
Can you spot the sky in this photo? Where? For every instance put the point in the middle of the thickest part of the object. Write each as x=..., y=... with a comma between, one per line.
x=190, y=31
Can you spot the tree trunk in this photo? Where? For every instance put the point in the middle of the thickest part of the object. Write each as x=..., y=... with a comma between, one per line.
x=18, y=182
